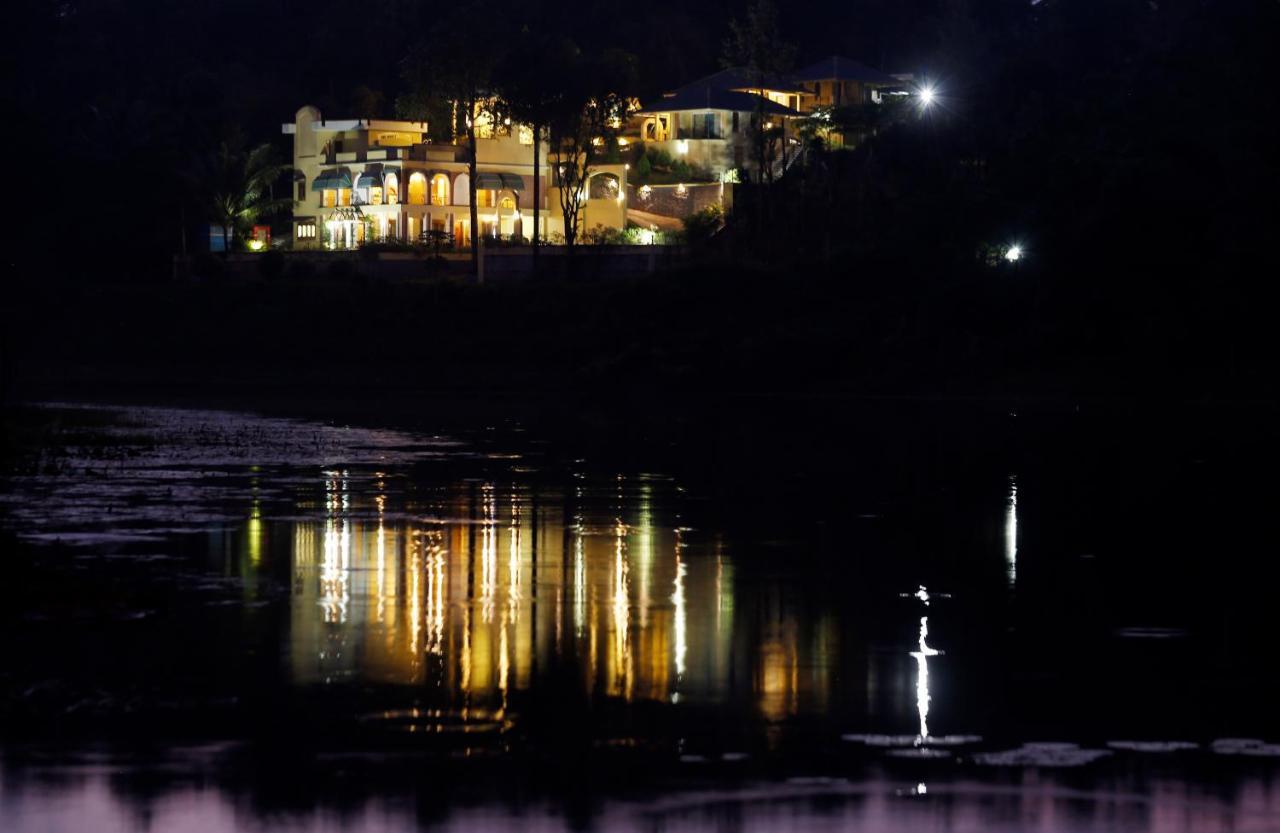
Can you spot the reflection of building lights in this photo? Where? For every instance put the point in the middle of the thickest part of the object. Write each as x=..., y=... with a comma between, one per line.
x=579, y=584
x=621, y=618
x=681, y=623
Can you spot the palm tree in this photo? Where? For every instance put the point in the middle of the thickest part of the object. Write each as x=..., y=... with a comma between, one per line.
x=238, y=187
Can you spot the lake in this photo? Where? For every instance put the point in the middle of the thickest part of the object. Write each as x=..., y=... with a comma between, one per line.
x=814, y=615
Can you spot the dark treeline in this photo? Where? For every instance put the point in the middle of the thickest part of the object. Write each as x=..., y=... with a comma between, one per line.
x=117, y=99
x=1129, y=146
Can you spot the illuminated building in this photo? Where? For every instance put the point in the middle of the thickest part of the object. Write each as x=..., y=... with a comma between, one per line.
x=368, y=180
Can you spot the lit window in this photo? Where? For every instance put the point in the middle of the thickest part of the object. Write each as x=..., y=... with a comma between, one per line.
x=392, y=187
x=417, y=189
x=306, y=231
x=439, y=190
x=507, y=202
x=486, y=197
x=344, y=196
x=526, y=134
x=328, y=198
x=375, y=195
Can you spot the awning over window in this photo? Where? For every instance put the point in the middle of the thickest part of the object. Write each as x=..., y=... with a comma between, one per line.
x=513, y=181
x=489, y=182
x=331, y=181
x=369, y=180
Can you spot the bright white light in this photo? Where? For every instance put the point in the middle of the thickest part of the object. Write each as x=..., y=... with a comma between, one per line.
x=1011, y=533
x=926, y=95
x=922, y=680
x=1013, y=254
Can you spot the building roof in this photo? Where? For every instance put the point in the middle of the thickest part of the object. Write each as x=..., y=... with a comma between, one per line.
x=706, y=97
x=339, y=125
x=740, y=78
x=835, y=68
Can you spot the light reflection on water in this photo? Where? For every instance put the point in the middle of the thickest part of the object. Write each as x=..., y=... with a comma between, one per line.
x=1011, y=533
x=476, y=604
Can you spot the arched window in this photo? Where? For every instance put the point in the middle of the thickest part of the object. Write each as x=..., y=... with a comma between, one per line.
x=604, y=187
x=507, y=202
x=439, y=190
x=462, y=190
x=417, y=189
x=391, y=184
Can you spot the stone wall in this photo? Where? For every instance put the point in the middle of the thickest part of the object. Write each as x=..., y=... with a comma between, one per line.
x=677, y=200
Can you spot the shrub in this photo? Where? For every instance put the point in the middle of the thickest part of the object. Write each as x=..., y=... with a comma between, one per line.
x=701, y=226
x=659, y=158
x=643, y=168
x=601, y=236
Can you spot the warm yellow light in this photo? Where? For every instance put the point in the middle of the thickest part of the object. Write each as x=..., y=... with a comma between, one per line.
x=682, y=146
x=622, y=142
x=256, y=245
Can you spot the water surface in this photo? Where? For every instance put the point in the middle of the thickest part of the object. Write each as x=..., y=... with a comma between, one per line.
x=975, y=621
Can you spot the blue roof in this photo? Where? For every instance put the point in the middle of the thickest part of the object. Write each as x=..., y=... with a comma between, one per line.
x=710, y=98
x=741, y=78
x=835, y=68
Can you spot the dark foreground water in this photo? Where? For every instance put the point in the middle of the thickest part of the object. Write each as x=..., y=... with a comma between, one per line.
x=871, y=617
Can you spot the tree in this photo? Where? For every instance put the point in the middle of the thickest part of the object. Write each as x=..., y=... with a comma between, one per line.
x=446, y=72
x=756, y=45
x=585, y=122
x=532, y=98
x=237, y=187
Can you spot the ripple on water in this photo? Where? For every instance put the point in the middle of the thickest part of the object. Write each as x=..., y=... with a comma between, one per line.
x=1152, y=746
x=1043, y=755
x=1252, y=747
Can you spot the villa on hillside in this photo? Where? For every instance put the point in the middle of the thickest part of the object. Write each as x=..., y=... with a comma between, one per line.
x=707, y=122
x=369, y=180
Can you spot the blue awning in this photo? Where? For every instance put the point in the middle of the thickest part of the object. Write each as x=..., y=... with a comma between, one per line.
x=331, y=181
x=513, y=181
